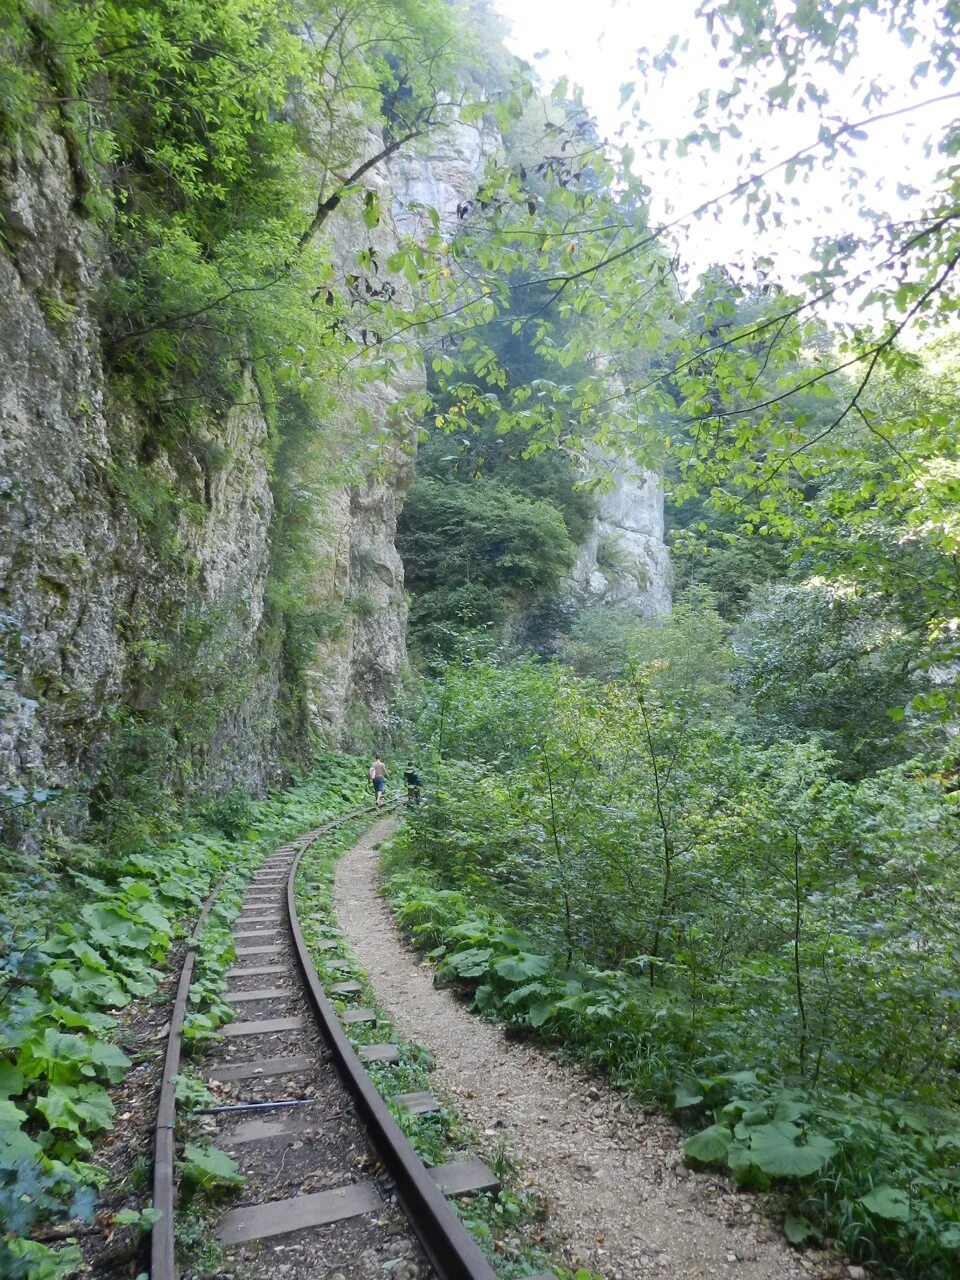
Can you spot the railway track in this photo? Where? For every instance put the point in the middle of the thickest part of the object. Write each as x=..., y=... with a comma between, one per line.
x=331, y=1179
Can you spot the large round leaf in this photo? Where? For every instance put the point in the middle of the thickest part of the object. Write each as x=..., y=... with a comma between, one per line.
x=709, y=1146
x=777, y=1149
x=887, y=1202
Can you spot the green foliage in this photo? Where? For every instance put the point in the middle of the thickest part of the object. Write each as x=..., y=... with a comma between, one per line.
x=709, y=550
x=828, y=657
x=492, y=454
x=472, y=551
x=84, y=951
x=209, y=1168
x=725, y=924
x=233, y=814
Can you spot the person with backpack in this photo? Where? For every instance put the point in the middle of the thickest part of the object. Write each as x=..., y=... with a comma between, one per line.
x=414, y=783
x=378, y=776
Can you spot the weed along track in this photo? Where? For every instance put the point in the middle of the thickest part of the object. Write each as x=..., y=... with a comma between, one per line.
x=330, y=1181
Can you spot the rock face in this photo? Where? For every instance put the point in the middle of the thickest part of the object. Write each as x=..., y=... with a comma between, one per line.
x=114, y=570
x=135, y=581
x=625, y=560
x=443, y=177
x=135, y=577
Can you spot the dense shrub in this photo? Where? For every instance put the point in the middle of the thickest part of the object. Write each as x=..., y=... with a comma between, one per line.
x=727, y=925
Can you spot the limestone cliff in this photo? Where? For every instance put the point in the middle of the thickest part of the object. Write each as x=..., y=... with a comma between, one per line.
x=625, y=559
x=104, y=612
x=135, y=578
x=138, y=577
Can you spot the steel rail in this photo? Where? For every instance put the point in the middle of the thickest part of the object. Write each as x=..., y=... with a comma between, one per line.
x=163, y=1256
x=162, y=1241
x=450, y=1248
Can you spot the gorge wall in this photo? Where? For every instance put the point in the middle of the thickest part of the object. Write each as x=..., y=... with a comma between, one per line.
x=135, y=582
x=142, y=623
x=624, y=560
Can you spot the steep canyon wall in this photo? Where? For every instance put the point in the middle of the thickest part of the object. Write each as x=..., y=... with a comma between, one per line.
x=135, y=579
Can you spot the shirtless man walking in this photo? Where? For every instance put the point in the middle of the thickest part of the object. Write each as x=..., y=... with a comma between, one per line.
x=378, y=776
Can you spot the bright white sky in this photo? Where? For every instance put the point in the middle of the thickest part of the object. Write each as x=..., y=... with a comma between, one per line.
x=594, y=43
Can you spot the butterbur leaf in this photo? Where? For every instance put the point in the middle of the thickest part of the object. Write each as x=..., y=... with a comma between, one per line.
x=518, y=968
x=745, y=1172
x=210, y=1167
x=484, y=998
x=76, y=1108
x=113, y=1062
x=775, y=1148
x=539, y=1012
x=686, y=1096
x=797, y=1228
x=471, y=963
x=83, y=1204
x=520, y=994
x=11, y=1080
x=740, y=1077
x=887, y=1202
x=710, y=1145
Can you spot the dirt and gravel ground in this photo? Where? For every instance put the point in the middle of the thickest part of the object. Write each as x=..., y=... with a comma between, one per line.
x=619, y=1195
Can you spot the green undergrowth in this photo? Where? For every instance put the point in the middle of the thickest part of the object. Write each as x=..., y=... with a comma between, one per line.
x=866, y=1172
x=509, y=1226
x=79, y=944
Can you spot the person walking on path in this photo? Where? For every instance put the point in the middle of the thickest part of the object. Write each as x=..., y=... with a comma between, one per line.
x=414, y=782
x=378, y=776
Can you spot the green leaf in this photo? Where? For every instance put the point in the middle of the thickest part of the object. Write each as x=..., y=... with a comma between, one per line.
x=113, y=1061
x=15, y=1145
x=745, y=1172
x=468, y=964
x=519, y=994
x=75, y=1108
x=887, y=1202
x=210, y=1167
x=518, y=968
x=686, y=1096
x=371, y=210
x=540, y=1011
x=484, y=998
x=776, y=1149
x=143, y=1218
x=797, y=1228
x=11, y=1080
x=710, y=1145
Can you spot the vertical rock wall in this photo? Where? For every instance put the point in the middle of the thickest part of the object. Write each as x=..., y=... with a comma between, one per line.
x=625, y=559
x=96, y=596
x=134, y=583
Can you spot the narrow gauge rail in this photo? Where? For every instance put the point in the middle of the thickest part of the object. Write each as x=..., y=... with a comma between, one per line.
x=341, y=1103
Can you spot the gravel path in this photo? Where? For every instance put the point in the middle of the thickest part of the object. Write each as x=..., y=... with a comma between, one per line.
x=618, y=1195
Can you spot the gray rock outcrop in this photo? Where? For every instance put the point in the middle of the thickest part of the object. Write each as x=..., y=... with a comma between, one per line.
x=135, y=577
x=625, y=560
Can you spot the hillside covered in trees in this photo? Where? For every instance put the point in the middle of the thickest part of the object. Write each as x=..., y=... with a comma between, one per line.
x=334, y=349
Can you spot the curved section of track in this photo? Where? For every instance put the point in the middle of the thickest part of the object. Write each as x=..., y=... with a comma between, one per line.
x=303, y=1105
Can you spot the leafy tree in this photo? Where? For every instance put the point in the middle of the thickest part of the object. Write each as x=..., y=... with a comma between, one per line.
x=828, y=658
x=473, y=550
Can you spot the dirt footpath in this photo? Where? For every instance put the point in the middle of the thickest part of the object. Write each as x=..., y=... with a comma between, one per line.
x=619, y=1196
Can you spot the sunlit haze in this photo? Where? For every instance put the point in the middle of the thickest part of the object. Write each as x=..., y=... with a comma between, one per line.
x=595, y=45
